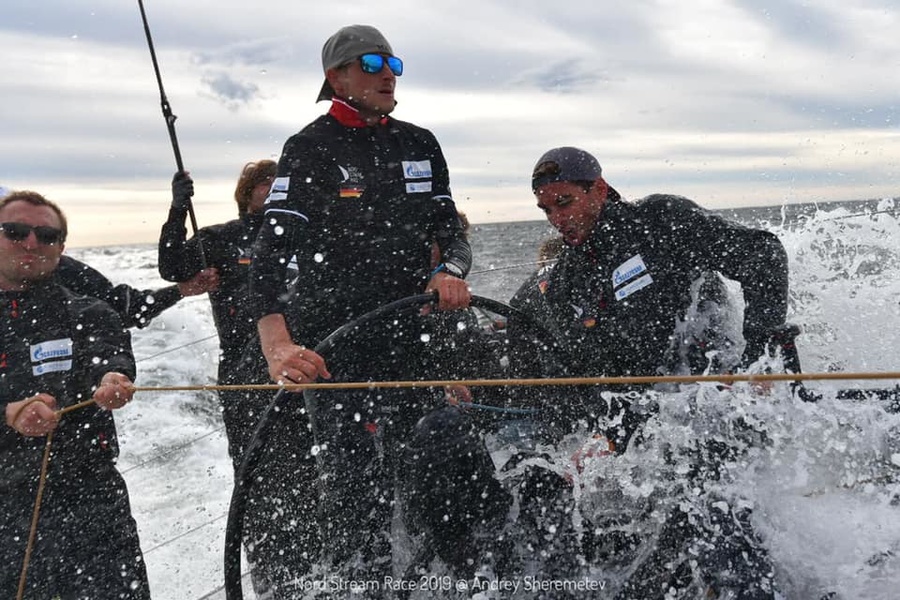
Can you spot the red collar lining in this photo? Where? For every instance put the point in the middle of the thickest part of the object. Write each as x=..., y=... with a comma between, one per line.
x=348, y=116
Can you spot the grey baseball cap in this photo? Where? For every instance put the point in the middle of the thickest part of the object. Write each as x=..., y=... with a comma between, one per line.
x=565, y=164
x=348, y=44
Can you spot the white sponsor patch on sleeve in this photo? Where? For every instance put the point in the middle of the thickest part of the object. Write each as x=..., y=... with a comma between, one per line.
x=630, y=277
x=416, y=169
x=280, y=186
x=418, y=187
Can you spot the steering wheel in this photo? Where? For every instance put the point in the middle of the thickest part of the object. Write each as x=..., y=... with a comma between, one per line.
x=245, y=475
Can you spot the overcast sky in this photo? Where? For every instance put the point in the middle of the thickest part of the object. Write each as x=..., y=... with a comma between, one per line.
x=729, y=102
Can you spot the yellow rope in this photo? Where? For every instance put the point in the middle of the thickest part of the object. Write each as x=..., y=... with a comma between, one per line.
x=32, y=533
x=531, y=382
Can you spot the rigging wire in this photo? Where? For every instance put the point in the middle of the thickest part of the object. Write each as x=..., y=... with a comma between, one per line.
x=165, y=543
x=181, y=347
x=172, y=450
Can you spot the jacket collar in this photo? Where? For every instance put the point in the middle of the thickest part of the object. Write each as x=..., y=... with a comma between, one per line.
x=610, y=220
x=348, y=116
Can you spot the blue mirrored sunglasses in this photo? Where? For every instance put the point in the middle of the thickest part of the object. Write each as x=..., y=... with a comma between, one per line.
x=374, y=63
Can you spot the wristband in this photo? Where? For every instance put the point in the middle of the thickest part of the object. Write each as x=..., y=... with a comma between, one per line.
x=438, y=269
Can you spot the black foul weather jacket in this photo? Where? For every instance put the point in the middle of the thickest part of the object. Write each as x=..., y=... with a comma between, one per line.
x=227, y=247
x=614, y=300
x=61, y=344
x=54, y=342
x=360, y=207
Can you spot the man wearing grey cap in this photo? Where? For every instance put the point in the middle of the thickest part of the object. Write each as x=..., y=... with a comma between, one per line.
x=359, y=197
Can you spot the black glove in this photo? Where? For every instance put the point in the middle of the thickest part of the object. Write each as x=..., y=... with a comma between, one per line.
x=182, y=190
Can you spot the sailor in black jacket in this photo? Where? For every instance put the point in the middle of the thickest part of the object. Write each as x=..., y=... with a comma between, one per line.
x=227, y=248
x=360, y=198
x=269, y=531
x=624, y=278
x=614, y=300
x=58, y=349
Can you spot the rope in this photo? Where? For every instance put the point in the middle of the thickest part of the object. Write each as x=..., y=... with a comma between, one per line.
x=629, y=380
x=32, y=533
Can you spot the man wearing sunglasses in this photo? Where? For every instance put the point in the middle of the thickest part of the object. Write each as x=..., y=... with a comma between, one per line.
x=359, y=198
x=136, y=307
x=57, y=349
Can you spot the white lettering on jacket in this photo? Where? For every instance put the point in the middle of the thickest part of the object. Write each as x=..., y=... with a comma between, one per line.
x=416, y=169
x=51, y=349
x=632, y=272
x=47, y=356
x=627, y=270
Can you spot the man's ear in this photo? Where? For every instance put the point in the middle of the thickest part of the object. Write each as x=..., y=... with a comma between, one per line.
x=335, y=79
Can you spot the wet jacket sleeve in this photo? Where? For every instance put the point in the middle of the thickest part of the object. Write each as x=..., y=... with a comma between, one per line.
x=282, y=230
x=450, y=237
x=754, y=257
x=136, y=308
x=179, y=258
x=449, y=233
x=110, y=342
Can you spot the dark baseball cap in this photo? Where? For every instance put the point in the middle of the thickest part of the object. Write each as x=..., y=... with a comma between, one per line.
x=565, y=164
x=348, y=44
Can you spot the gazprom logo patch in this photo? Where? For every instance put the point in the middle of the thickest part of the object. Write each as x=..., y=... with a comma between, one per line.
x=630, y=277
x=52, y=349
x=628, y=270
x=417, y=169
x=51, y=356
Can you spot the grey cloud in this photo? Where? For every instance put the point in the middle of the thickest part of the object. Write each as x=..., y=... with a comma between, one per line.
x=565, y=77
x=230, y=92
x=257, y=53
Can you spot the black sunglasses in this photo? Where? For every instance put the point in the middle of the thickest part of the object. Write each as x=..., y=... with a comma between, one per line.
x=18, y=232
x=374, y=63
